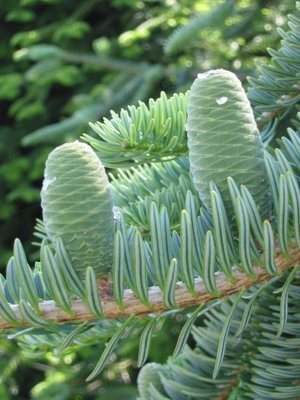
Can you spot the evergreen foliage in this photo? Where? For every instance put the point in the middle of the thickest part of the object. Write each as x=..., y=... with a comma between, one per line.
x=259, y=357
x=169, y=248
x=274, y=94
x=142, y=134
x=49, y=91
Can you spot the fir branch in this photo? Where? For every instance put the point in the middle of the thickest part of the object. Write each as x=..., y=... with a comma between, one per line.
x=51, y=312
x=142, y=134
x=164, y=183
x=275, y=93
x=260, y=364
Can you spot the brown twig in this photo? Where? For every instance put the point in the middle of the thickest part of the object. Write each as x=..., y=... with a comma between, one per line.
x=51, y=312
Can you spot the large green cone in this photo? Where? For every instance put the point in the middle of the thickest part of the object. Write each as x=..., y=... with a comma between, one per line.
x=224, y=141
x=77, y=206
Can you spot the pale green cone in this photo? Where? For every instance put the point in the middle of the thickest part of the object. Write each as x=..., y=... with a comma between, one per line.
x=77, y=206
x=224, y=141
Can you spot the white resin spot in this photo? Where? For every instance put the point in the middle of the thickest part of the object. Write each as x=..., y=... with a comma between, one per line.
x=222, y=100
x=116, y=213
x=47, y=183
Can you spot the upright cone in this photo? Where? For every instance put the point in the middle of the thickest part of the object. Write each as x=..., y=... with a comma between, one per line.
x=77, y=207
x=224, y=141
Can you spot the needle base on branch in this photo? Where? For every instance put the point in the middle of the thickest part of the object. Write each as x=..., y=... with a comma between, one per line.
x=132, y=306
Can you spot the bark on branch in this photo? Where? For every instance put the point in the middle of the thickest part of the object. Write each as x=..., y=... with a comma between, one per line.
x=184, y=299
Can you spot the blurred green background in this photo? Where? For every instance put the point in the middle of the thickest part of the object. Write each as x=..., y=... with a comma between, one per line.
x=67, y=62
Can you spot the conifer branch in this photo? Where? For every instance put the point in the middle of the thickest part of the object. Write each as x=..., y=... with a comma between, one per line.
x=51, y=312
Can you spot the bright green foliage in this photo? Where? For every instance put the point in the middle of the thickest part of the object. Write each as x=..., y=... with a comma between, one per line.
x=142, y=134
x=77, y=206
x=224, y=141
